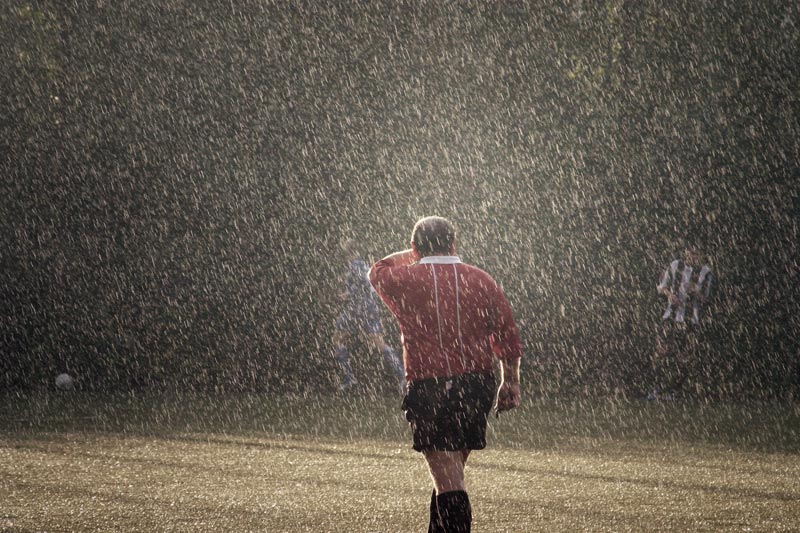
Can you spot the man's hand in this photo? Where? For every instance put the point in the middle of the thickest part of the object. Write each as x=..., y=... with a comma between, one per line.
x=508, y=397
x=697, y=292
x=671, y=297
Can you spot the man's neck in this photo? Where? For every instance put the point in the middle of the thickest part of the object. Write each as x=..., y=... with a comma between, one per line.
x=440, y=259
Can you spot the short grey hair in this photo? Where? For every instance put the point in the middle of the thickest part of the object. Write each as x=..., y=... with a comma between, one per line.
x=433, y=236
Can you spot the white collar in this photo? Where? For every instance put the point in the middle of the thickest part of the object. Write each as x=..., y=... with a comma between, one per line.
x=440, y=259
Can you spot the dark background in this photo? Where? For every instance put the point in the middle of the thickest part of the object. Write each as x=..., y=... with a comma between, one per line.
x=176, y=177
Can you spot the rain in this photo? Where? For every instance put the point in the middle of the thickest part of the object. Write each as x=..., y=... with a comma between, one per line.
x=178, y=177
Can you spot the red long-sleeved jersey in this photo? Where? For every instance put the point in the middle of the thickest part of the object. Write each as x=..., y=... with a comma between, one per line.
x=453, y=317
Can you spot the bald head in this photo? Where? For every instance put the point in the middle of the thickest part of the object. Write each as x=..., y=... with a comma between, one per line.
x=433, y=236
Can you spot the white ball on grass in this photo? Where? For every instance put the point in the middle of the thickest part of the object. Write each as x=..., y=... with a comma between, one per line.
x=64, y=382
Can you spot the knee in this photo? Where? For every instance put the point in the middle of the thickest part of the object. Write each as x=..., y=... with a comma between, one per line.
x=447, y=471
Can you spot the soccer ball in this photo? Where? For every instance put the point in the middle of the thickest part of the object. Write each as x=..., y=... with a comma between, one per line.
x=64, y=382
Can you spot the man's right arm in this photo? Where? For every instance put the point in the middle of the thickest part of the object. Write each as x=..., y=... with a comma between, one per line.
x=664, y=288
x=381, y=278
x=378, y=270
x=673, y=299
x=404, y=258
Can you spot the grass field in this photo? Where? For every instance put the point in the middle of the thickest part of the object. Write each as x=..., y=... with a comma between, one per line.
x=77, y=462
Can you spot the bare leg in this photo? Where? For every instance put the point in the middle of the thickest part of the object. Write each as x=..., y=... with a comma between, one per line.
x=447, y=469
x=453, y=511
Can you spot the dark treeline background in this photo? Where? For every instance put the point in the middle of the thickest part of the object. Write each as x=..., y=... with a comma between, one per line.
x=177, y=175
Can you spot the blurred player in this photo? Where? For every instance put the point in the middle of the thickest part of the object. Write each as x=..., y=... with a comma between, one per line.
x=454, y=319
x=360, y=316
x=687, y=285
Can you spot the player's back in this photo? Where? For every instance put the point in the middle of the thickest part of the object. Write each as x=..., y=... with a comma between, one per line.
x=448, y=312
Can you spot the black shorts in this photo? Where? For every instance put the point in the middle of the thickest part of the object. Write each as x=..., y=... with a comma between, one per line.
x=450, y=414
x=678, y=340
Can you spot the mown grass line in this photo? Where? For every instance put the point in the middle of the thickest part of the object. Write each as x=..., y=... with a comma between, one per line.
x=249, y=462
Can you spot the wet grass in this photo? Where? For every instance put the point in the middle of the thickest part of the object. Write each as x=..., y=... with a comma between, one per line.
x=169, y=462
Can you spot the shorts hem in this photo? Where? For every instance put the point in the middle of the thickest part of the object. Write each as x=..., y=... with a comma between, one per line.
x=423, y=449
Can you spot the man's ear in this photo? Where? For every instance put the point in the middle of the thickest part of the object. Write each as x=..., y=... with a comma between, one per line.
x=416, y=252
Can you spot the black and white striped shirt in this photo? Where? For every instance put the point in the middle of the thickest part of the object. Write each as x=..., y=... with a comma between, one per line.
x=681, y=278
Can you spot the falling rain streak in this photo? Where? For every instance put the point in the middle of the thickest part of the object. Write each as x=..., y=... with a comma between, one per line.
x=176, y=178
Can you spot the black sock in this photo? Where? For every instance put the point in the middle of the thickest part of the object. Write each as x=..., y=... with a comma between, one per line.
x=455, y=511
x=435, y=522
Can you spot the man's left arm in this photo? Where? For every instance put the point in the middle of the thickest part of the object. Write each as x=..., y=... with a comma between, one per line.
x=508, y=394
x=709, y=285
x=507, y=347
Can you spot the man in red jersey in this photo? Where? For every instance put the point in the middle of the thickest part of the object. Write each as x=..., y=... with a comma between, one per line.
x=454, y=320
